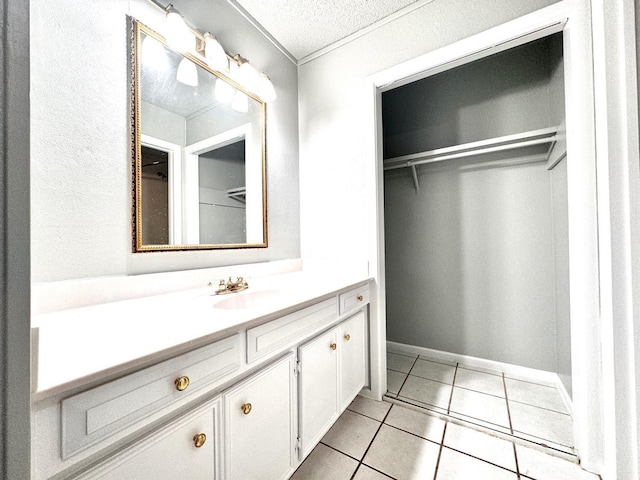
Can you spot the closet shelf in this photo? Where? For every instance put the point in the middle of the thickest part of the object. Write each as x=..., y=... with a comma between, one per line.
x=491, y=145
x=496, y=144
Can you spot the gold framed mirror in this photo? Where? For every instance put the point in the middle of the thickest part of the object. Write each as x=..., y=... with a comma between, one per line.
x=198, y=152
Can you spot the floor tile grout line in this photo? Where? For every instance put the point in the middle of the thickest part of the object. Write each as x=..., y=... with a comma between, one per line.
x=360, y=463
x=480, y=392
x=430, y=379
x=453, y=385
x=480, y=459
x=506, y=399
x=411, y=433
x=542, y=408
x=406, y=377
x=412, y=365
x=337, y=450
x=448, y=384
x=371, y=442
x=372, y=468
x=444, y=432
x=369, y=416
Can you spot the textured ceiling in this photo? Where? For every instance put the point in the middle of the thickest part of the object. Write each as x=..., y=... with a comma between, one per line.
x=303, y=27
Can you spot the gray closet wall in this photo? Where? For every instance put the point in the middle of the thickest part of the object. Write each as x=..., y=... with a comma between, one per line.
x=475, y=259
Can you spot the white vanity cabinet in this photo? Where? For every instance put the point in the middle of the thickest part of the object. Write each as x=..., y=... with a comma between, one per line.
x=249, y=405
x=332, y=372
x=260, y=426
x=186, y=448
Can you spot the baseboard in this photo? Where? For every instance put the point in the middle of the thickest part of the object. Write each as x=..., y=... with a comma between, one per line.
x=521, y=373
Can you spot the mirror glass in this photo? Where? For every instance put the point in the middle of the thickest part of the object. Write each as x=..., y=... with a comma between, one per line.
x=199, y=153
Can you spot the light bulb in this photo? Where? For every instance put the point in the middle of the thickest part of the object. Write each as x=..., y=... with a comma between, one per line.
x=215, y=54
x=153, y=53
x=267, y=92
x=187, y=73
x=223, y=91
x=179, y=36
x=240, y=102
x=247, y=75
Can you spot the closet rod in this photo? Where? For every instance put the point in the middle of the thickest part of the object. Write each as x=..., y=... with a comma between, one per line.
x=507, y=142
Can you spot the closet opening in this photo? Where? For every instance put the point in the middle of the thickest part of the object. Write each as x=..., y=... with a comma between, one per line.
x=476, y=244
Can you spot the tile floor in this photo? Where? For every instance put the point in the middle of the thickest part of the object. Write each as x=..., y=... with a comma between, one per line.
x=487, y=400
x=451, y=422
x=380, y=441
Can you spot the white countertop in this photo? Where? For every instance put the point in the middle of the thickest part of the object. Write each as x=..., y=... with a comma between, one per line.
x=75, y=345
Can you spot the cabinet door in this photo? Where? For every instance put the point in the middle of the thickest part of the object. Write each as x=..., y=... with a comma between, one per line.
x=352, y=343
x=260, y=424
x=318, y=387
x=186, y=448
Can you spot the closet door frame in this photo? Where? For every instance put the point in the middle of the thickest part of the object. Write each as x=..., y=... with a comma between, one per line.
x=573, y=19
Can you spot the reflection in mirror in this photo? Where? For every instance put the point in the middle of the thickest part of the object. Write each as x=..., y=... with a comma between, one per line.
x=155, y=211
x=199, y=153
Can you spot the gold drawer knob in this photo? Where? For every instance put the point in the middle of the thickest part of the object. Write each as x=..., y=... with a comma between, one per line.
x=182, y=383
x=199, y=439
x=333, y=346
x=246, y=408
x=347, y=337
x=360, y=298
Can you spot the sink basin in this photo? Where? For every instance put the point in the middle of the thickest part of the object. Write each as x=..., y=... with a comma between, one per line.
x=257, y=299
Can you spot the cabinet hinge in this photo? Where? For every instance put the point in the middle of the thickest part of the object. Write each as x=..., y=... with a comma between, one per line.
x=297, y=367
x=298, y=444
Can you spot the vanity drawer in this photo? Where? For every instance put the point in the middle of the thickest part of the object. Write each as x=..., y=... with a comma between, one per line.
x=354, y=299
x=288, y=330
x=92, y=416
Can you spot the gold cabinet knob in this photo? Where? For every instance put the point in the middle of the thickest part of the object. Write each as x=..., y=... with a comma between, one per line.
x=246, y=408
x=199, y=439
x=347, y=337
x=333, y=346
x=182, y=383
x=360, y=298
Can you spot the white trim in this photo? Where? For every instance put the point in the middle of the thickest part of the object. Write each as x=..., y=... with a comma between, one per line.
x=175, y=183
x=258, y=26
x=508, y=35
x=615, y=85
x=366, y=30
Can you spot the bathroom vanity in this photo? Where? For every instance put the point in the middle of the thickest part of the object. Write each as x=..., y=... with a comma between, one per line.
x=195, y=385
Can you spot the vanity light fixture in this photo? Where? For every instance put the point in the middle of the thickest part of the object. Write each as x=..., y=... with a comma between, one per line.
x=187, y=73
x=248, y=76
x=215, y=54
x=179, y=35
x=267, y=93
x=153, y=54
x=182, y=38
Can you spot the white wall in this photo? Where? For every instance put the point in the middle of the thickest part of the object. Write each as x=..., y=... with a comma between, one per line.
x=80, y=159
x=469, y=262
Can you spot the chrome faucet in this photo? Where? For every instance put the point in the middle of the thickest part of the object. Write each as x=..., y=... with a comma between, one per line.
x=230, y=286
